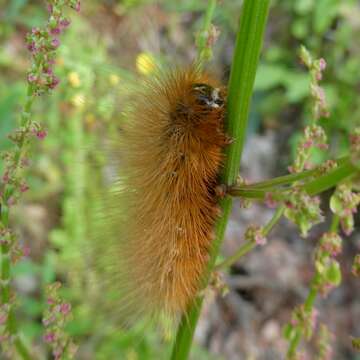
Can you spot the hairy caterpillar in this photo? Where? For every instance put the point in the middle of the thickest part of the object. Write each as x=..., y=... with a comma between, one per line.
x=159, y=218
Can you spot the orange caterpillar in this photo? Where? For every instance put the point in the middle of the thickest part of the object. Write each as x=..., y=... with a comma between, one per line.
x=171, y=154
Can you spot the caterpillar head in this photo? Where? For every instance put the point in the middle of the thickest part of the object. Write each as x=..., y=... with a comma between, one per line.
x=208, y=96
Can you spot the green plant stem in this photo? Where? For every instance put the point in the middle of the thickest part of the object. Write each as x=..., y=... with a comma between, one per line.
x=6, y=240
x=250, y=245
x=335, y=223
x=246, y=55
x=243, y=250
x=274, y=220
x=204, y=34
x=22, y=349
x=290, y=178
x=294, y=344
x=330, y=179
x=312, y=187
x=310, y=300
x=308, y=305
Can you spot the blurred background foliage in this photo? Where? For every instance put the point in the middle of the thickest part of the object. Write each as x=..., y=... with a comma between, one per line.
x=100, y=55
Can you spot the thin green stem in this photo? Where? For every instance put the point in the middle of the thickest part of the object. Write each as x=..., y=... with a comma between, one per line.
x=274, y=220
x=250, y=245
x=246, y=55
x=312, y=187
x=335, y=223
x=291, y=178
x=202, y=41
x=310, y=300
x=330, y=179
x=6, y=240
x=243, y=250
x=22, y=349
x=308, y=305
x=294, y=343
x=283, y=180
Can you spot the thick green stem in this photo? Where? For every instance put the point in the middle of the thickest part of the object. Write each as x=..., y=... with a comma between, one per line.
x=242, y=76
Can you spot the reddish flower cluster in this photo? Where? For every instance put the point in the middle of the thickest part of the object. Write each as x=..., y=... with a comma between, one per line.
x=328, y=273
x=303, y=210
x=356, y=266
x=304, y=319
x=344, y=203
x=255, y=234
x=330, y=243
x=355, y=146
x=55, y=319
x=42, y=44
x=314, y=136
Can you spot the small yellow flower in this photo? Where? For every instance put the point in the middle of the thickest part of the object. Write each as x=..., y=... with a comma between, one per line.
x=90, y=120
x=132, y=355
x=114, y=79
x=145, y=63
x=74, y=79
x=78, y=100
x=60, y=61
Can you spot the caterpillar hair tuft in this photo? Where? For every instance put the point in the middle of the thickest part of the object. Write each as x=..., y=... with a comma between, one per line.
x=162, y=211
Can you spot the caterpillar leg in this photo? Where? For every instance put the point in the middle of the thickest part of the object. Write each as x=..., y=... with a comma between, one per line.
x=221, y=190
x=228, y=140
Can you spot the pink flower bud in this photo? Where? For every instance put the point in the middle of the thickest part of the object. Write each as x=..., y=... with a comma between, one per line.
x=3, y=318
x=322, y=146
x=32, y=78
x=55, y=43
x=322, y=64
x=54, y=82
x=41, y=134
x=55, y=31
x=24, y=187
x=49, y=337
x=269, y=200
x=65, y=22
x=307, y=144
x=32, y=47
x=35, y=31
x=260, y=239
x=50, y=301
x=26, y=251
x=6, y=177
x=65, y=308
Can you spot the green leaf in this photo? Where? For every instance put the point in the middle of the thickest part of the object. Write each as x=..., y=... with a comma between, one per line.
x=288, y=332
x=269, y=76
x=14, y=9
x=336, y=205
x=300, y=28
x=333, y=273
x=325, y=12
x=297, y=85
x=303, y=7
